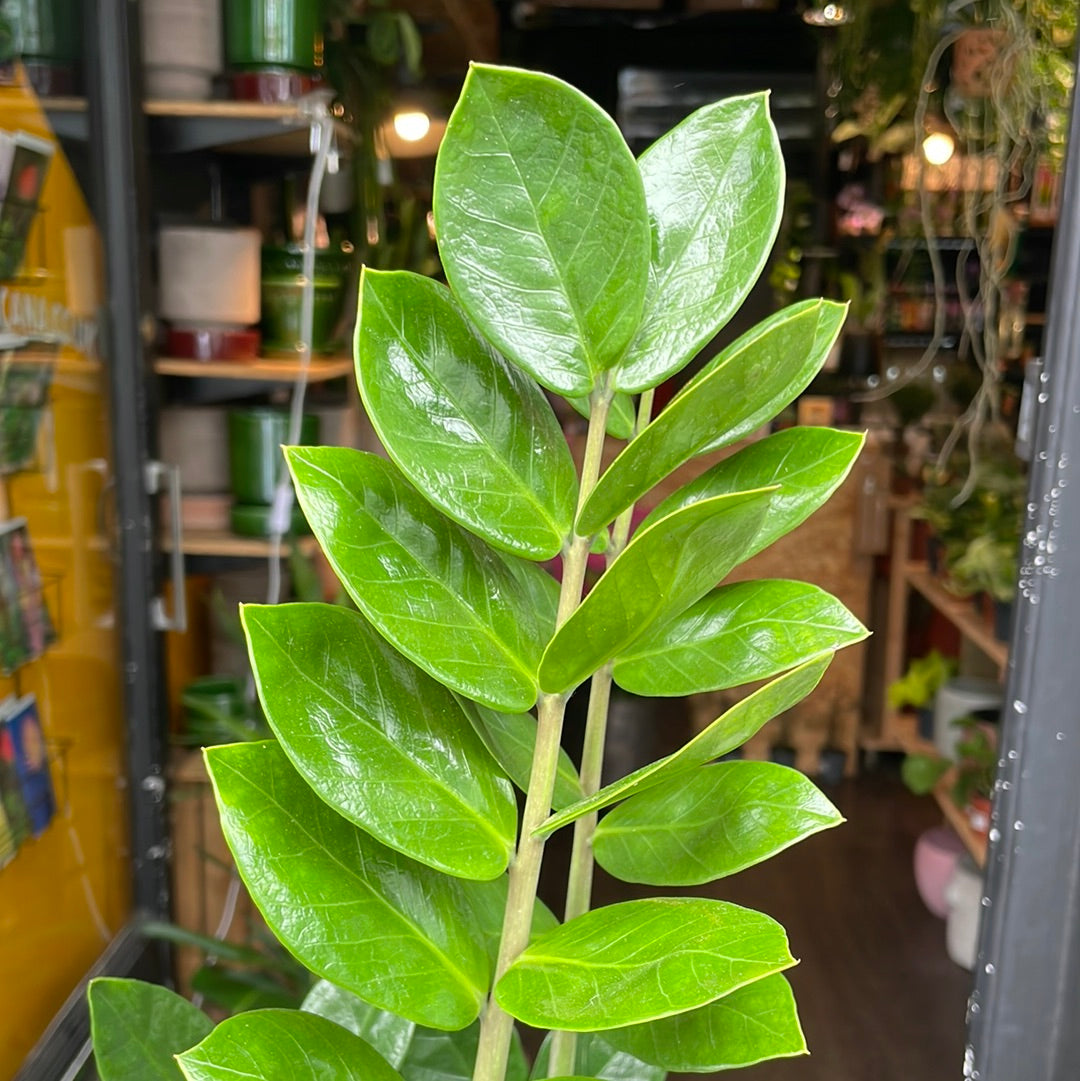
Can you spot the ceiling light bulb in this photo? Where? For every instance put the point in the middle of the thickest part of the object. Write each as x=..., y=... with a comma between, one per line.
x=938, y=147
x=412, y=126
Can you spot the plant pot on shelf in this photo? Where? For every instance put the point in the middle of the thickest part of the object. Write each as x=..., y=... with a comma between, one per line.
x=181, y=47
x=963, y=895
x=256, y=464
x=282, y=297
x=977, y=813
x=271, y=48
x=50, y=45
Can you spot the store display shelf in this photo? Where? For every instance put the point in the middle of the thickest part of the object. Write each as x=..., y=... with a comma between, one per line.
x=974, y=842
x=263, y=370
x=958, y=611
x=214, y=542
x=176, y=127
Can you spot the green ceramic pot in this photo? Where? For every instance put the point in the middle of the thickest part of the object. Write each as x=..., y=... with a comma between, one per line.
x=254, y=520
x=282, y=295
x=272, y=33
x=256, y=463
x=50, y=30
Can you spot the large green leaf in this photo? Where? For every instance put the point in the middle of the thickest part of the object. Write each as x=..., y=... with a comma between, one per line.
x=511, y=739
x=475, y=434
x=737, y=634
x=640, y=960
x=709, y=823
x=808, y=464
x=284, y=1045
x=400, y=935
x=138, y=1028
x=663, y=570
x=417, y=1053
x=542, y=226
x=595, y=1057
x=741, y=389
x=755, y=1023
x=730, y=730
x=433, y=590
x=714, y=186
x=381, y=741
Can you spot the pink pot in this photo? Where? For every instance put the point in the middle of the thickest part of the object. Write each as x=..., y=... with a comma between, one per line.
x=936, y=853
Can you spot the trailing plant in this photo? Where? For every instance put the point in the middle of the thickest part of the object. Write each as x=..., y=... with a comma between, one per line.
x=379, y=833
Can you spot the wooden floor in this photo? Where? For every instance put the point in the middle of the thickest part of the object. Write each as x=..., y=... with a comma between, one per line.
x=878, y=996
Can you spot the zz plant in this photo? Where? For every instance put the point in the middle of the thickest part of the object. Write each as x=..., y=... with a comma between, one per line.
x=379, y=833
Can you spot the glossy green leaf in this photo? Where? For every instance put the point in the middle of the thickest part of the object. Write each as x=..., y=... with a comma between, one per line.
x=709, y=823
x=283, y=1045
x=417, y=1053
x=663, y=570
x=808, y=464
x=730, y=730
x=475, y=434
x=622, y=414
x=138, y=1028
x=714, y=186
x=381, y=741
x=400, y=935
x=743, y=387
x=596, y=1058
x=737, y=634
x=640, y=960
x=511, y=739
x=755, y=1023
x=542, y=226
x=438, y=594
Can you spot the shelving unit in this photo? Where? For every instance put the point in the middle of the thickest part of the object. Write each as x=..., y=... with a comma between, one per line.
x=897, y=730
x=215, y=542
x=262, y=370
x=180, y=127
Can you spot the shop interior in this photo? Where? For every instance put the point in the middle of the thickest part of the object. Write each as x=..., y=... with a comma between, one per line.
x=923, y=146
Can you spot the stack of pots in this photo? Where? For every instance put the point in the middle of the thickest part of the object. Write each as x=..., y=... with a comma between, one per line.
x=256, y=466
x=209, y=291
x=272, y=48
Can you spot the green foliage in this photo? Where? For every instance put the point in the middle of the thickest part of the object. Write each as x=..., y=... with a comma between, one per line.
x=920, y=682
x=378, y=832
x=973, y=767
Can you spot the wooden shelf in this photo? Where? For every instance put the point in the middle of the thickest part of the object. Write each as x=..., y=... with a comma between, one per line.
x=974, y=842
x=176, y=127
x=959, y=612
x=212, y=542
x=263, y=370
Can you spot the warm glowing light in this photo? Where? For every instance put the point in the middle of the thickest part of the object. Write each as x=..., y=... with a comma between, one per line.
x=827, y=15
x=412, y=126
x=938, y=147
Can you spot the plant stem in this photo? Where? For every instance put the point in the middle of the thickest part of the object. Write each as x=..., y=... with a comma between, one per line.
x=579, y=881
x=497, y=1026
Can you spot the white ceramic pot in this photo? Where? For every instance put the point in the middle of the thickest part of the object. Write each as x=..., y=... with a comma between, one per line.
x=963, y=895
x=209, y=276
x=956, y=698
x=196, y=440
x=181, y=47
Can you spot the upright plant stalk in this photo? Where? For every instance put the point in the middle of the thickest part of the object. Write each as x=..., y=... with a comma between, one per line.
x=580, y=876
x=497, y=1026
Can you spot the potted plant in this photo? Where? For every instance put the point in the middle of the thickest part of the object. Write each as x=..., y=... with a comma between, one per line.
x=918, y=685
x=379, y=832
x=971, y=783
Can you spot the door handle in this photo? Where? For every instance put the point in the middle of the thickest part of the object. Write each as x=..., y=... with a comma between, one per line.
x=159, y=475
